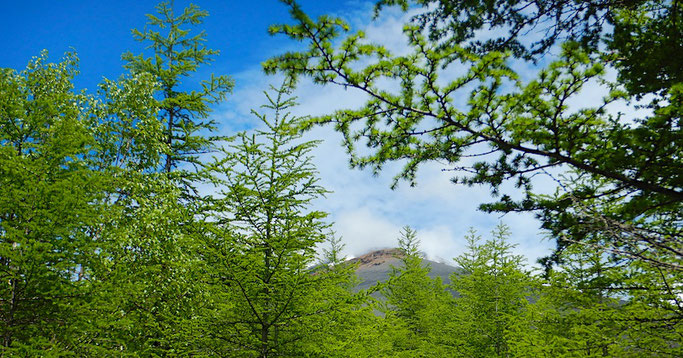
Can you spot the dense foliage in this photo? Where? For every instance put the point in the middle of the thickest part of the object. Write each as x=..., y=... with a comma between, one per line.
x=108, y=247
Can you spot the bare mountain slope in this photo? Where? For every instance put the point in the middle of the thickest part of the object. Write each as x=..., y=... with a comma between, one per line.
x=376, y=266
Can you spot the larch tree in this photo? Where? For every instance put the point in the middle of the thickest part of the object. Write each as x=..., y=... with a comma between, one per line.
x=46, y=191
x=460, y=100
x=418, y=308
x=270, y=300
x=153, y=131
x=492, y=291
x=513, y=128
x=177, y=53
x=595, y=305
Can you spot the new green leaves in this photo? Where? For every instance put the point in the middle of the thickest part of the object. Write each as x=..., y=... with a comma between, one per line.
x=183, y=113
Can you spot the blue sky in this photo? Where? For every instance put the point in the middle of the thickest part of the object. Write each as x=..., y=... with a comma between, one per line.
x=100, y=31
x=365, y=212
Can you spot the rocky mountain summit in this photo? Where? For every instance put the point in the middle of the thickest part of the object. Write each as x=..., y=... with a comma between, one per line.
x=376, y=266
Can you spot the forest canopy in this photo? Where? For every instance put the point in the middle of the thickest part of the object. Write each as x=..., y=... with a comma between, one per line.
x=111, y=245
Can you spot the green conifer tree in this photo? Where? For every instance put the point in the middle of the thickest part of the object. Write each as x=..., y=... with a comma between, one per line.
x=177, y=54
x=46, y=191
x=269, y=298
x=593, y=305
x=418, y=308
x=492, y=291
x=153, y=132
x=527, y=124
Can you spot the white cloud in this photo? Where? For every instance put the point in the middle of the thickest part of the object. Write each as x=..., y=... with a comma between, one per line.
x=364, y=230
x=364, y=210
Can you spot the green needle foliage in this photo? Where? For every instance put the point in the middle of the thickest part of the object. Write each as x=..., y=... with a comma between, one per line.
x=177, y=54
x=590, y=307
x=461, y=102
x=153, y=133
x=644, y=33
x=46, y=188
x=417, y=307
x=108, y=249
x=270, y=300
x=492, y=291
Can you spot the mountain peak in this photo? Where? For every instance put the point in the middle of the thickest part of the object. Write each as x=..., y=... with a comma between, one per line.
x=377, y=257
x=375, y=266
